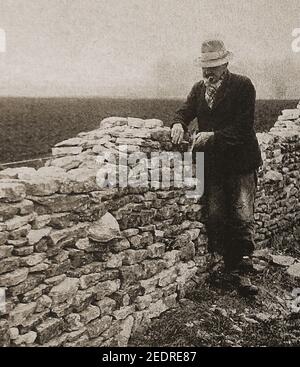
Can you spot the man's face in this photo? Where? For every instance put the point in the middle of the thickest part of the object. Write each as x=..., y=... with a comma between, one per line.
x=213, y=74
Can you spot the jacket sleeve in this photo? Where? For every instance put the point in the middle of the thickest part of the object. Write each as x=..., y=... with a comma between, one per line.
x=188, y=111
x=241, y=128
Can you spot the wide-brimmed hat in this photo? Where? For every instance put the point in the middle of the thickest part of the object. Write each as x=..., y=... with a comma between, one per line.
x=213, y=53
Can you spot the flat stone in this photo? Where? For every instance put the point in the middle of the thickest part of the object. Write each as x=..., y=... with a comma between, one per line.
x=33, y=260
x=41, y=186
x=105, y=229
x=106, y=288
x=61, y=151
x=35, y=235
x=273, y=176
x=26, y=339
x=19, y=221
x=20, y=313
x=11, y=192
x=283, y=260
x=64, y=291
x=73, y=322
x=9, y=264
x=3, y=238
x=55, y=280
x=294, y=270
x=17, y=172
x=13, y=278
x=89, y=314
x=97, y=327
x=5, y=251
x=51, y=328
x=106, y=305
x=43, y=303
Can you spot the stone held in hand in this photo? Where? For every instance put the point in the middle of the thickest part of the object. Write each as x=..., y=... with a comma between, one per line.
x=105, y=229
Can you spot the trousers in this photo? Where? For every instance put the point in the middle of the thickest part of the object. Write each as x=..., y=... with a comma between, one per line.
x=229, y=202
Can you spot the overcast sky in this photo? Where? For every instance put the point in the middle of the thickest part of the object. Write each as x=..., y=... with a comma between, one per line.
x=143, y=48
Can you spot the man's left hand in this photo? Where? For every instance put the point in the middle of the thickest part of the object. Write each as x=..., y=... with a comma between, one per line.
x=202, y=138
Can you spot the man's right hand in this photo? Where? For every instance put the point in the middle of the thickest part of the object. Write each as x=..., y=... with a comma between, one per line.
x=177, y=133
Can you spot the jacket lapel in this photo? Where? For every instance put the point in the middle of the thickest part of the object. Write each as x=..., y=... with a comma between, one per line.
x=223, y=91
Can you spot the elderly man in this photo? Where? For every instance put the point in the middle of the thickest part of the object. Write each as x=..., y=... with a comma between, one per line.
x=224, y=105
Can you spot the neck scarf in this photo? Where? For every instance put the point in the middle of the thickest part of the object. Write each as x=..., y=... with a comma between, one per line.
x=211, y=90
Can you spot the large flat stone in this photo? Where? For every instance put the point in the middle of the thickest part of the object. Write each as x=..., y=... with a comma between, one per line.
x=11, y=192
x=13, y=278
x=64, y=291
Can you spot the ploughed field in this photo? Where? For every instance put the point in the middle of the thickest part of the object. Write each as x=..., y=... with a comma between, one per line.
x=29, y=127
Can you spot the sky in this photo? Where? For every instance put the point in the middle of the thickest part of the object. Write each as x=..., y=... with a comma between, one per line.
x=143, y=48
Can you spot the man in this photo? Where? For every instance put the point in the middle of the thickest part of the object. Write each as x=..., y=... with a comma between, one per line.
x=224, y=104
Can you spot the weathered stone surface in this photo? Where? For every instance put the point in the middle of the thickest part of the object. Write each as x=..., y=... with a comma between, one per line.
x=41, y=185
x=283, y=260
x=13, y=278
x=294, y=270
x=25, y=339
x=40, y=222
x=61, y=151
x=73, y=322
x=9, y=264
x=106, y=305
x=20, y=313
x=19, y=221
x=89, y=314
x=59, y=203
x=34, y=236
x=124, y=331
x=106, y=288
x=64, y=291
x=5, y=251
x=89, y=280
x=44, y=302
x=105, y=229
x=156, y=250
x=4, y=333
x=131, y=257
x=26, y=285
x=33, y=260
x=11, y=192
x=97, y=327
x=143, y=302
x=19, y=232
x=23, y=251
x=3, y=237
x=49, y=329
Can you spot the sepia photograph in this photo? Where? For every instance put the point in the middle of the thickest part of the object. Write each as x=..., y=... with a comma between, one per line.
x=149, y=177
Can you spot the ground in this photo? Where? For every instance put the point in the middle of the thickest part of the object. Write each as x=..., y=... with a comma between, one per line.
x=211, y=316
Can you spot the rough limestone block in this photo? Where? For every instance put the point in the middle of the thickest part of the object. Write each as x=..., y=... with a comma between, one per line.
x=11, y=192
x=20, y=313
x=64, y=291
x=106, y=305
x=9, y=264
x=51, y=328
x=13, y=278
x=97, y=327
x=89, y=314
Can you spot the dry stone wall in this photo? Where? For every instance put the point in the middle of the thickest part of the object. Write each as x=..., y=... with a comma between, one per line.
x=82, y=265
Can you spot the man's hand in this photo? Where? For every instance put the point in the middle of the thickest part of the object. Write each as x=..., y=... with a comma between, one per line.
x=202, y=138
x=177, y=133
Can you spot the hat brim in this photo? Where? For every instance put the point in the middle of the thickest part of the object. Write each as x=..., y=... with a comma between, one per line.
x=214, y=63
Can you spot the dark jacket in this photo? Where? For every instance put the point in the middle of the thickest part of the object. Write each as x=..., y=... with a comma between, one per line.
x=234, y=146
